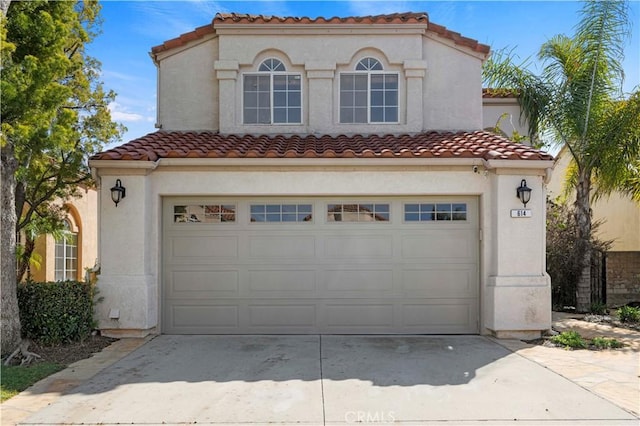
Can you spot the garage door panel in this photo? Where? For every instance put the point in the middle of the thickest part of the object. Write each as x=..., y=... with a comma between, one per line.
x=295, y=316
x=452, y=314
x=432, y=245
x=361, y=281
x=285, y=247
x=281, y=283
x=211, y=317
x=350, y=316
x=351, y=245
x=204, y=246
x=440, y=282
x=204, y=283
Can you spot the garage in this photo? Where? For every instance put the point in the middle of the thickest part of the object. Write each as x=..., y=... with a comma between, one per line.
x=341, y=265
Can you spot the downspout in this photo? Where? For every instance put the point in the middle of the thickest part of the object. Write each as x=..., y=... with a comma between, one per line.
x=158, y=124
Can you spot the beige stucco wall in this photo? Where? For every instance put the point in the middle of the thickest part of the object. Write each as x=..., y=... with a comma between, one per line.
x=83, y=217
x=187, y=93
x=200, y=84
x=514, y=287
x=452, y=87
x=620, y=216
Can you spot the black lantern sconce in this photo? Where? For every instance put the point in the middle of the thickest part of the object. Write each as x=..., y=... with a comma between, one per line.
x=118, y=192
x=523, y=192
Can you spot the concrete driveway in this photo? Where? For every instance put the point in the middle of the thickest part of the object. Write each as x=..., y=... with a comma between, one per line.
x=327, y=380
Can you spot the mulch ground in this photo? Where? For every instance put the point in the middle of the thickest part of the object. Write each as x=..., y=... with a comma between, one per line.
x=69, y=353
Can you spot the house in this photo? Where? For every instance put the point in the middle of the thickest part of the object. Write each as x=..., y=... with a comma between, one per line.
x=620, y=218
x=69, y=257
x=322, y=176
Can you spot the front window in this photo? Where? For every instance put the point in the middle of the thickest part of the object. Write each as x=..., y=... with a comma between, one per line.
x=369, y=95
x=272, y=96
x=66, y=259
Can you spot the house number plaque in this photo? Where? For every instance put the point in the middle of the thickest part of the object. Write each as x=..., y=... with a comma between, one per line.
x=521, y=213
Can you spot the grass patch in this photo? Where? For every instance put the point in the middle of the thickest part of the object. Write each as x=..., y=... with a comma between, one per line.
x=604, y=343
x=15, y=379
x=569, y=339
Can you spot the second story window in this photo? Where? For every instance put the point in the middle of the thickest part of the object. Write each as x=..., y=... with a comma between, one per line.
x=369, y=95
x=272, y=96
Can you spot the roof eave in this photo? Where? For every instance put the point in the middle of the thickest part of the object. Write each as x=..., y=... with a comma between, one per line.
x=304, y=162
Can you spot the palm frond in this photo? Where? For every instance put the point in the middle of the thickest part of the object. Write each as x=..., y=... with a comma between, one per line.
x=501, y=71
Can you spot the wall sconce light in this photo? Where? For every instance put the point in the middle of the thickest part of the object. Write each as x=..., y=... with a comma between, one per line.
x=523, y=192
x=118, y=192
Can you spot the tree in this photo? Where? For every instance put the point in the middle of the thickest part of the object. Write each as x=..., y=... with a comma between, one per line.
x=578, y=99
x=54, y=116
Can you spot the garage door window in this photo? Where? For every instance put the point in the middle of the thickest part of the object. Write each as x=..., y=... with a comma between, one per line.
x=429, y=212
x=210, y=213
x=358, y=213
x=281, y=213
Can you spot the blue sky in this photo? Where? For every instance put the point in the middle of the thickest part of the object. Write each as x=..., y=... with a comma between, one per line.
x=131, y=28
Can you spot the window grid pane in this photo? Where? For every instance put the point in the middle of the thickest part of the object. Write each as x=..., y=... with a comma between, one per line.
x=358, y=213
x=353, y=98
x=66, y=257
x=210, y=213
x=257, y=99
x=435, y=212
x=368, y=97
x=281, y=213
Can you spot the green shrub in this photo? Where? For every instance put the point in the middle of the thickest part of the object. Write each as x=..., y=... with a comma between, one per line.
x=570, y=339
x=598, y=308
x=629, y=314
x=564, y=253
x=604, y=343
x=56, y=312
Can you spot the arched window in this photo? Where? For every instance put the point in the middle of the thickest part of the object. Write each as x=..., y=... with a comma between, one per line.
x=369, y=95
x=66, y=259
x=272, y=96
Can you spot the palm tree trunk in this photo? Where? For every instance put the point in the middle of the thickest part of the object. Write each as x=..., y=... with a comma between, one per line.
x=9, y=313
x=583, y=219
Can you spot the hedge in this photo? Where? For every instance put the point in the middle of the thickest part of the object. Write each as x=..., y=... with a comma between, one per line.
x=56, y=312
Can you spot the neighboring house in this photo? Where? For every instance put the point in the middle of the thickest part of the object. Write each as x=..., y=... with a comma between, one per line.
x=620, y=218
x=68, y=258
x=322, y=176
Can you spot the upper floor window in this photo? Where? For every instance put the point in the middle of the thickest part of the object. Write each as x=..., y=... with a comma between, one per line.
x=272, y=96
x=369, y=95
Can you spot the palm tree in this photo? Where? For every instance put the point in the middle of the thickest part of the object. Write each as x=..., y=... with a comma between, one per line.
x=577, y=99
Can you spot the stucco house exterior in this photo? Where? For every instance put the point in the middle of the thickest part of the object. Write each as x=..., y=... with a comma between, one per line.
x=620, y=217
x=69, y=257
x=322, y=176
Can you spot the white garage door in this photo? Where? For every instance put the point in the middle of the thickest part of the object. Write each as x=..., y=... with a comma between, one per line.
x=320, y=265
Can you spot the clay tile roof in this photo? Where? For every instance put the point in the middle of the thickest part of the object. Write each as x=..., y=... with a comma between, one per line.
x=499, y=93
x=479, y=144
x=392, y=18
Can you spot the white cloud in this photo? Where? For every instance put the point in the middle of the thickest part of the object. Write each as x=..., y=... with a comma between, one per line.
x=118, y=113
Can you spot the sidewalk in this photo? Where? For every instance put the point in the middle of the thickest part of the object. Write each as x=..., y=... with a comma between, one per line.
x=611, y=374
x=49, y=389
